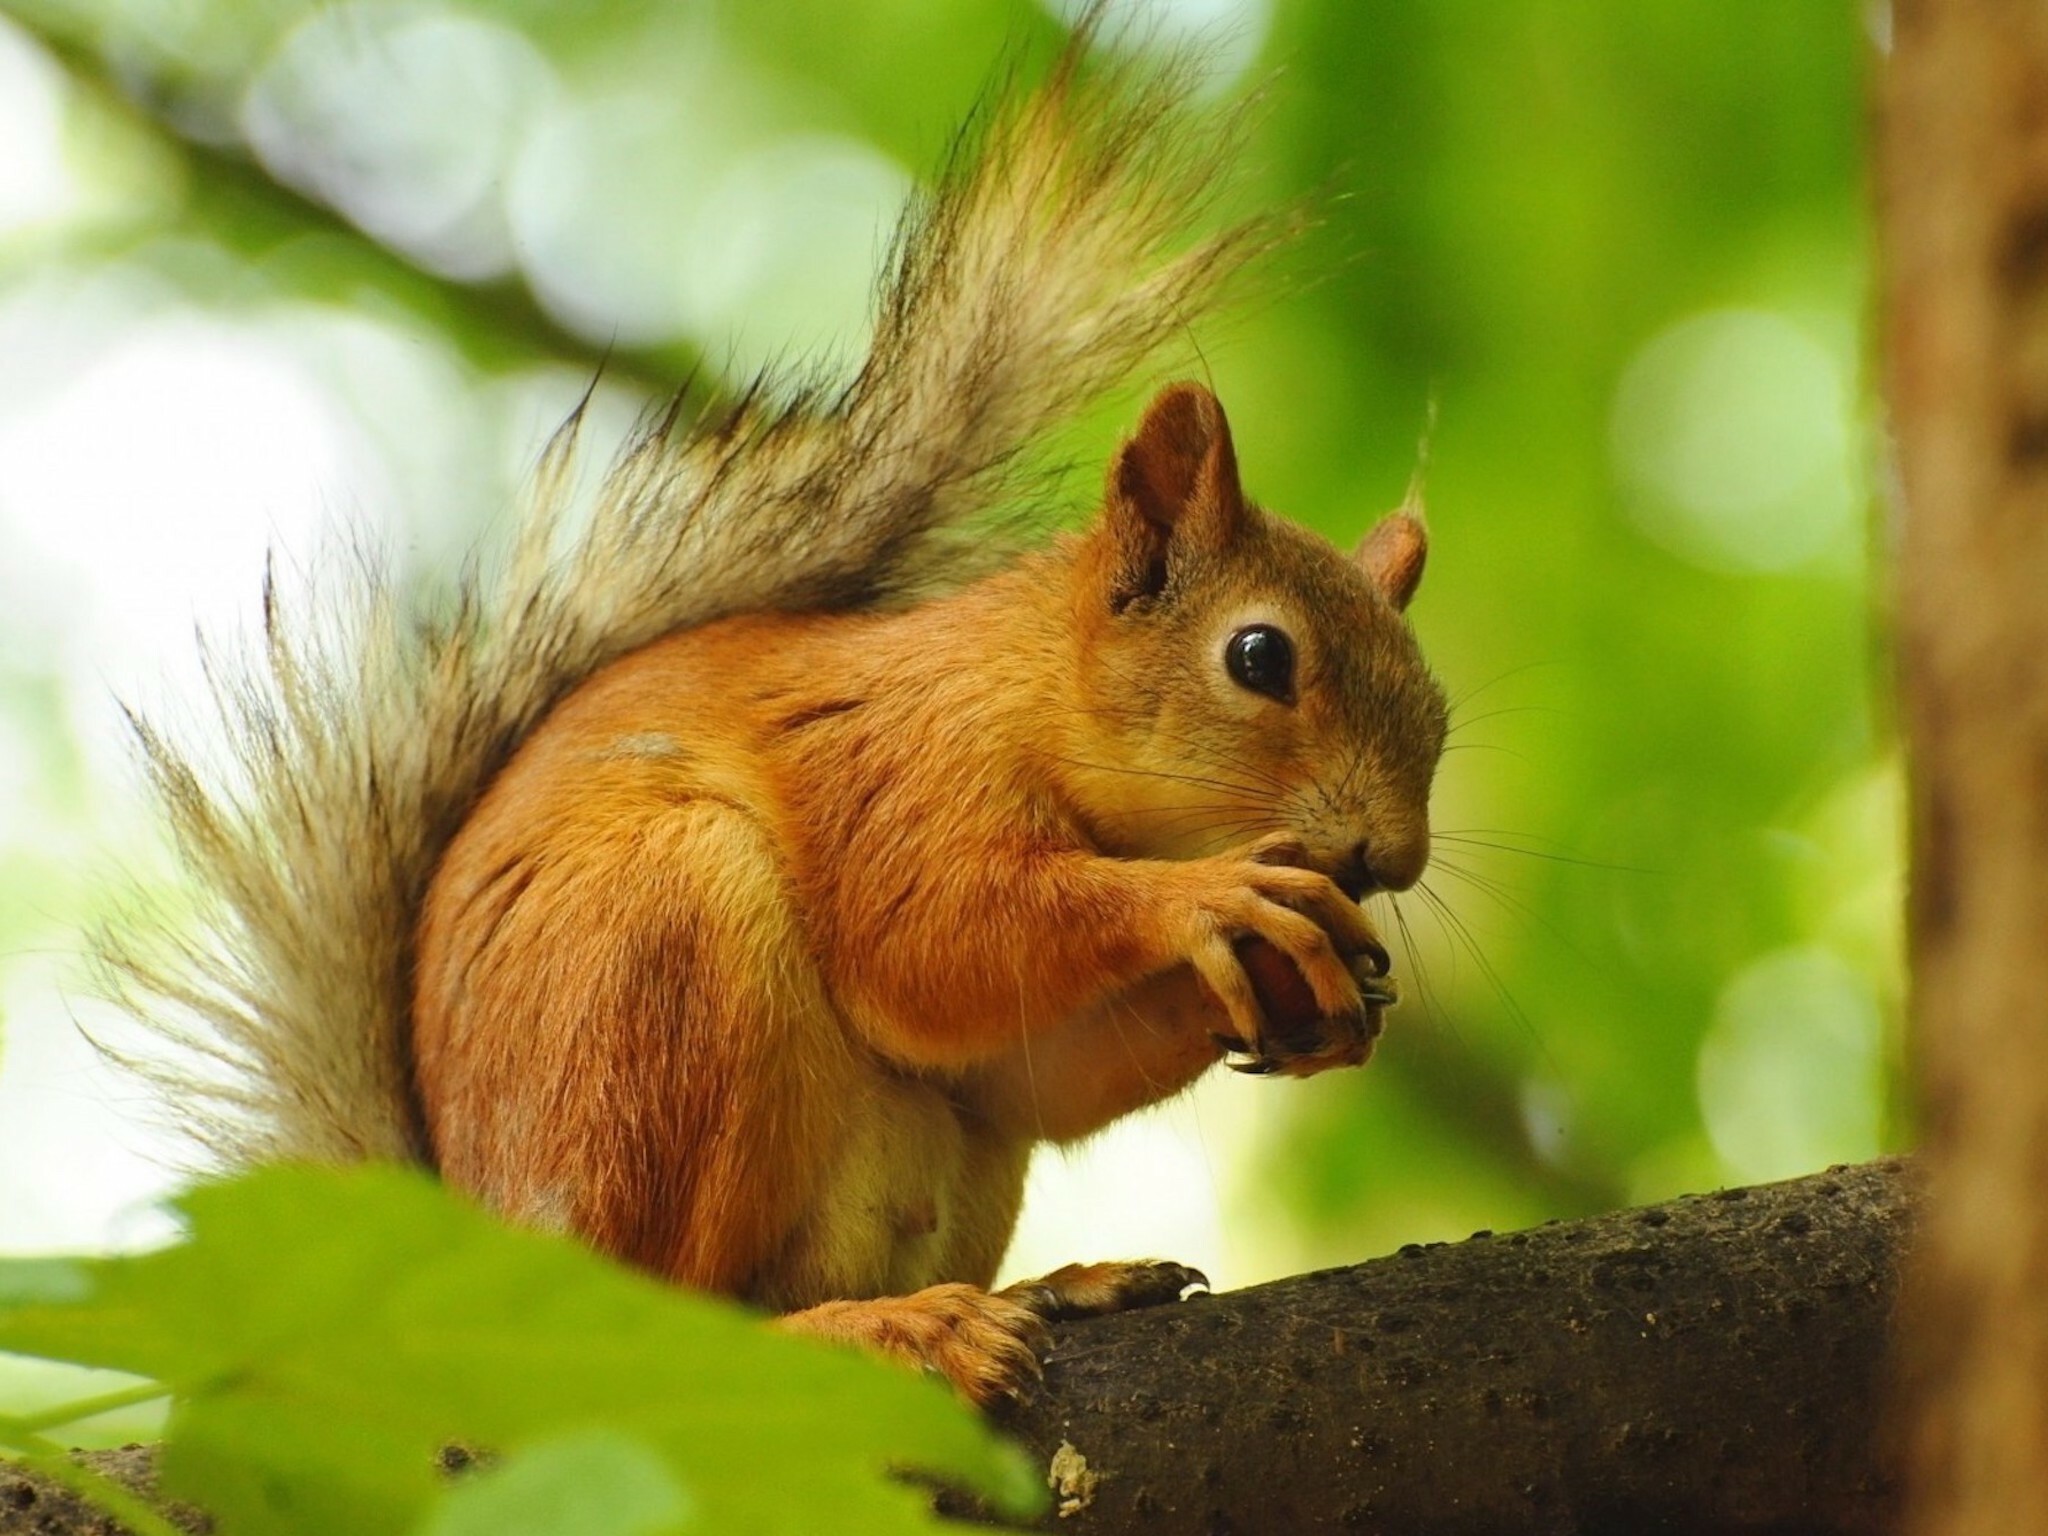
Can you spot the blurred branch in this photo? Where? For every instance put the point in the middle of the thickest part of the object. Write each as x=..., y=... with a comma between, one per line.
x=1480, y=1097
x=1963, y=156
x=239, y=206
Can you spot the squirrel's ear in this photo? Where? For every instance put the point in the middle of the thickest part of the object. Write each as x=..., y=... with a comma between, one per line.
x=1393, y=554
x=1172, y=486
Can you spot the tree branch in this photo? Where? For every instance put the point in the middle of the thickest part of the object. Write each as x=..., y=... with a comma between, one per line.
x=1709, y=1367
x=236, y=203
x=1713, y=1365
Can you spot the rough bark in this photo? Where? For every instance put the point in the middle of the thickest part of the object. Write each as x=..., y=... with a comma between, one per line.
x=1712, y=1365
x=1965, y=233
x=31, y=1505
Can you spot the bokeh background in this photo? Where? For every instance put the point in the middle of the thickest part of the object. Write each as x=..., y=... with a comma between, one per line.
x=275, y=266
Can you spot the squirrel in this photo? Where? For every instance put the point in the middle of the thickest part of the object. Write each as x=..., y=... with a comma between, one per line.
x=739, y=880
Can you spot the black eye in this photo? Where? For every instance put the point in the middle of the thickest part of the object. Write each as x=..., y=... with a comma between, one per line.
x=1261, y=658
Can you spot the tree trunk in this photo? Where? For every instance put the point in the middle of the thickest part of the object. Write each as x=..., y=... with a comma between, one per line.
x=1964, y=159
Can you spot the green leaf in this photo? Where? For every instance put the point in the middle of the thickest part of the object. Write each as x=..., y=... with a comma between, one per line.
x=592, y=1483
x=327, y=1331
x=26, y=1281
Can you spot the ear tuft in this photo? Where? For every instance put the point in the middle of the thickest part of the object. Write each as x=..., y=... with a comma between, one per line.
x=1392, y=555
x=1173, y=486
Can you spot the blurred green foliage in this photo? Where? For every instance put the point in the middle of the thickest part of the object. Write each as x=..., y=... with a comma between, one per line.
x=327, y=1332
x=1621, y=247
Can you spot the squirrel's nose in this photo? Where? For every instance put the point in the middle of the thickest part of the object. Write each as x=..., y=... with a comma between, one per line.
x=1354, y=873
x=1364, y=870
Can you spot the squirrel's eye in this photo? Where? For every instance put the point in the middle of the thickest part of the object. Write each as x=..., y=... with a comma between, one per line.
x=1261, y=658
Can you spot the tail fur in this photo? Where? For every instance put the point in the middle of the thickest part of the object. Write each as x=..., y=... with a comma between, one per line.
x=1050, y=259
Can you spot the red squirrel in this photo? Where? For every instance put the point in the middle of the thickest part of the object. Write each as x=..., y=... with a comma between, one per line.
x=705, y=886
x=780, y=944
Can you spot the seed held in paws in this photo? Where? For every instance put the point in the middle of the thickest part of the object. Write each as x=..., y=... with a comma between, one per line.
x=1299, y=1039
x=1284, y=997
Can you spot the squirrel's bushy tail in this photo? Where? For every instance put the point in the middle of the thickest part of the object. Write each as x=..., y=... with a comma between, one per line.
x=1050, y=259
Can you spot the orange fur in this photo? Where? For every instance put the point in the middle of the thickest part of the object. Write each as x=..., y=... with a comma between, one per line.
x=781, y=942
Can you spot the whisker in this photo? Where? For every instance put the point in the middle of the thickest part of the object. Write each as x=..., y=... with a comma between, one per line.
x=1192, y=744
x=1499, y=986
x=1436, y=910
x=1206, y=755
x=1149, y=773
x=1239, y=778
x=1493, y=682
x=1496, y=714
x=1484, y=746
x=1507, y=901
x=1180, y=810
x=1470, y=841
x=1450, y=866
x=1243, y=829
x=1121, y=1006
x=1224, y=825
x=1425, y=993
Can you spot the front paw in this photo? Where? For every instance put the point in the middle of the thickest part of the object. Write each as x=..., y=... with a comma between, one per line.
x=1300, y=1039
x=1232, y=911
